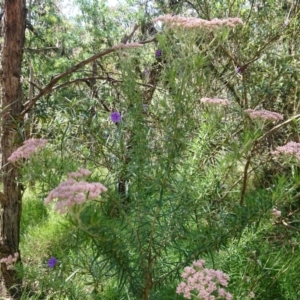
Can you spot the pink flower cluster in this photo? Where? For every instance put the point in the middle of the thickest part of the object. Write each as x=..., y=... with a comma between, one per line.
x=80, y=173
x=10, y=260
x=191, y=22
x=291, y=148
x=127, y=46
x=72, y=192
x=204, y=283
x=276, y=213
x=215, y=101
x=263, y=114
x=29, y=147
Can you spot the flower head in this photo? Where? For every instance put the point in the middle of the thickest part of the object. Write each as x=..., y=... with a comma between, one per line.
x=158, y=53
x=174, y=21
x=10, y=260
x=80, y=173
x=52, y=262
x=215, y=101
x=29, y=147
x=276, y=213
x=239, y=70
x=203, y=282
x=115, y=117
x=263, y=114
x=72, y=192
x=290, y=149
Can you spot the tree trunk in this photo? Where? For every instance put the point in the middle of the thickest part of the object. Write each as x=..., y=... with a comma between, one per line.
x=13, y=32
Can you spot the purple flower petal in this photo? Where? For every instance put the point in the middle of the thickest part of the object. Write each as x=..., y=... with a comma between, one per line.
x=52, y=262
x=115, y=117
x=158, y=53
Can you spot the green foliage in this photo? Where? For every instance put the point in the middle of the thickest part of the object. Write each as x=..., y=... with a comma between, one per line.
x=185, y=180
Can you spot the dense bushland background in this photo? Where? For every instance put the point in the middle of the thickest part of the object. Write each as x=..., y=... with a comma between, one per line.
x=185, y=180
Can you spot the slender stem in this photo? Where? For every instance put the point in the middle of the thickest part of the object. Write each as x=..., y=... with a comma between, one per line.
x=244, y=186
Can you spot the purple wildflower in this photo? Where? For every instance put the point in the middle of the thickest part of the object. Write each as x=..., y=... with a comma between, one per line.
x=239, y=70
x=52, y=262
x=158, y=53
x=144, y=107
x=115, y=117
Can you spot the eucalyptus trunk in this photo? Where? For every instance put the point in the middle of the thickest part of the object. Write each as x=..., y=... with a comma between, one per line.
x=13, y=37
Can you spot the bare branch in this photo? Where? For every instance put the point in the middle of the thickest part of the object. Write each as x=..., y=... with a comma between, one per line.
x=41, y=49
x=126, y=38
x=275, y=128
x=49, y=87
x=86, y=79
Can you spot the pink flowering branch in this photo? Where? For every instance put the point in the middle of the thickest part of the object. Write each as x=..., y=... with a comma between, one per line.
x=290, y=149
x=276, y=213
x=80, y=173
x=215, y=101
x=191, y=22
x=72, y=192
x=205, y=283
x=263, y=115
x=10, y=260
x=29, y=147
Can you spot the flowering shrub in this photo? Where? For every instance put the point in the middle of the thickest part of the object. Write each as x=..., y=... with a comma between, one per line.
x=206, y=284
x=169, y=162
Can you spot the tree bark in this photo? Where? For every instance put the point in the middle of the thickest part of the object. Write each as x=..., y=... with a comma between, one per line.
x=13, y=32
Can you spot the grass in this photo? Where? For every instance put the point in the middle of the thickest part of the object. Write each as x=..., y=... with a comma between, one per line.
x=46, y=234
